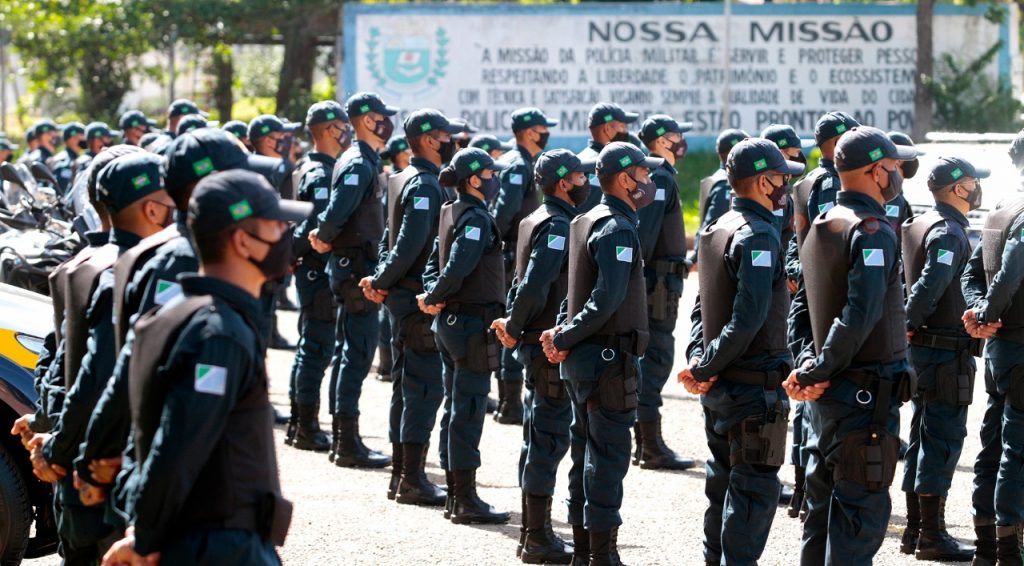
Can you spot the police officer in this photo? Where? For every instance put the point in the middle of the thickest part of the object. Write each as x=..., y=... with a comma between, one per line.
x=492, y=145
x=599, y=347
x=855, y=301
x=535, y=298
x=62, y=163
x=898, y=209
x=935, y=253
x=991, y=286
x=414, y=202
x=271, y=136
x=516, y=200
x=190, y=123
x=177, y=110
x=31, y=144
x=134, y=124
x=208, y=490
x=398, y=153
x=608, y=122
x=327, y=126
x=97, y=136
x=240, y=130
x=465, y=135
x=739, y=355
x=351, y=228
x=663, y=241
x=47, y=137
x=715, y=193
x=7, y=149
x=465, y=290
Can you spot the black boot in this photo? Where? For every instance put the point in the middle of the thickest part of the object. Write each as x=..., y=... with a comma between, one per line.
x=911, y=534
x=449, y=501
x=799, y=474
x=350, y=451
x=396, y=470
x=499, y=408
x=1008, y=545
x=293, y=419
x=335, y=436
x=657, y=456
x=308, y=435
x=603, y=551
x=415, y=488
x=984, y=542
x=542, y=545
x=468, y=508
x=283, y=302
x=936, y=543
x=580, y=546
x=277, y=341
x=511, y=411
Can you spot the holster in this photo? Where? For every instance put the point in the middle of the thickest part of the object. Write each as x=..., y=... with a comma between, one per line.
x=869, y=457
x=546, y=379
x=418, y=335
x=354, y=300
x=662, y=303
x=617, y=386
x=953, y=383
x=482, y=353
x=1015, y=391
x=761, y=438
x=275, y=516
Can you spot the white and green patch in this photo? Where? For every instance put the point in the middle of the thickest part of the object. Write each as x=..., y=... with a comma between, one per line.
x=472, y=233
x=594, y=181
x=141, y=181
x=516, y=178
x=874, y=257
x=624, y=253
x=761, y=258
x=827, y=183
x=364, y=108
x=659, y=194
x=265, y=130
x=892, y=210
x=420, y=203
x=825, y=207
x=240, y=210
x=211, y=379
x=945, y=257
x=556, y=242
x=166, y=290
x=351, y=179
x=321, y=193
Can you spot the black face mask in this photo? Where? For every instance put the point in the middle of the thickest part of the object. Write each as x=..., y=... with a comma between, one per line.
x=974, y=198
x=344, y=137
x=543, y=141
x=490, y=188
x=383, y=129
x=679, y=148
x=910, y=168
x=799, y=158
x=462, y=142
x=279, y=257
x=895, y=186
x=578, y=193
x=778, y=195
x=82, y=144
x=447, y=151
x=283, y=146
x=643, y=194
x=621, y=137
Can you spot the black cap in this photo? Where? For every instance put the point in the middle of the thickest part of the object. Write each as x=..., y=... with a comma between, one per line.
x=197, y=154
x=44, y=126
x=728, y=139
x=237, y=128
x=365, y=102
x=128, y=179
x=660, y=124
x=227, y=198
x=950, y=170
x=184, y=107
x=190, y=123
x=395, y=145
x=864, y=145
x=133, y=118
x=325, y=111
x=155, y=142
x=489, y=143
x=784, y=136
x=463, y=125
x=266, y=124
x=427, y=120
x=7, y=145
x=100, y=130
x=30, y=134
x=524, y=118
x=619, y=156
x=900, y=138
x=72, y=129
x=755, y=156
x=555, y=165
x=470, y=161
x=833, y=124
x=604, y=112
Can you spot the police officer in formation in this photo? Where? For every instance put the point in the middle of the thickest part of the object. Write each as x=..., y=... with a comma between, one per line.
x=177, y=110
x=607, y=122
x=134, y=124
x=715, y=196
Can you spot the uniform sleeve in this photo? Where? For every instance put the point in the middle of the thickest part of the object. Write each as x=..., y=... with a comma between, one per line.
x=800, y=336
x=314, y=187
x=422, y=205
x=472, y=233
x=548, y=253
x=865, y=302
x=49, y=385
x=348, y=188
x=514, y=181
x=794, y=270
x=695, y=348
x=194, y=416
x=613, y=273
x=939, y=271
x=973, y=282
x=718, y=203
x=107, y=432
x=754, y=278
x=433, y=268
x=1007, y=280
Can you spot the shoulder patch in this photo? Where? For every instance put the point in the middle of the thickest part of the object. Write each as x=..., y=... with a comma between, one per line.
x=874, y=257
x=827, y=182
x=351, y=179
x=624, y=254
x=516, y=178
x=780, y=212
x=892, y=210
x=556, y=242
x=166, y=290
x=659, y=194
x=211, y=379
x=421, y=203
x=825, y=207
x=595, y=181
x=321, y=193
x=945, y=257
x=472, y=233
x=761, y=258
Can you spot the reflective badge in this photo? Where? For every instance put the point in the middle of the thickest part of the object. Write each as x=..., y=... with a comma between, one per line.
x=516, y=178
x=761, y=258
x=321, y=193
x=351, y=179
x=945, y=257
x=622, y=253
x=165, y=291
x=659, y=194
x=825, y=207
x=473, y=233
x=892, y=210
x=556, y=242
x=874, y=258
x=420, y=203
x=211, y=379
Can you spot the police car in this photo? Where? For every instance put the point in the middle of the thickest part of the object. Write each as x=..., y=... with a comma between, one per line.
x=982, y=150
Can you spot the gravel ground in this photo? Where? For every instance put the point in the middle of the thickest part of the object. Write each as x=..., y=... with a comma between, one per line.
x=343, y=517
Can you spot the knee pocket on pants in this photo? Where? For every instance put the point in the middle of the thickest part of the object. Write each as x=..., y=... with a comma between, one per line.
x=868, y=458
x=617, y=387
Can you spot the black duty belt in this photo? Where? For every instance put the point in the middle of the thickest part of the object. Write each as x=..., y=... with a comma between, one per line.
x=766, y=379
x=940, y=342
x=531, y=337
x=487, y=312
x=414, y=285
x=634, y=343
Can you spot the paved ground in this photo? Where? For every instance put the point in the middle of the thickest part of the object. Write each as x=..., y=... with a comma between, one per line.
x=343, y=517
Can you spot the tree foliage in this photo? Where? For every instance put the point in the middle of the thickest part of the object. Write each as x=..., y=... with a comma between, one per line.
x=961, y=89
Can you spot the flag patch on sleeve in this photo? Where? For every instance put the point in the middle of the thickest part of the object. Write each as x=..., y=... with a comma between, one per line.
x=874, y=258
x=761, y=258
x=516, y=178
x=556, y=242
x=623, y=253
x=166, y=290
x=825, y=207
x=420, y=203
x=211, y=379
x=945, y=257
x=659, y=194
x=892, y=210
x=320, y=193
x=351, y=179
x=473, y=233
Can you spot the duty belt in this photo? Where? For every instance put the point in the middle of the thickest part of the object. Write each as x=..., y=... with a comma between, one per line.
x=767, y=379
x=414, y=285
x=663, y=267
x=940, y=342
x=486, y=312
x=531, y=337
x=634, y=343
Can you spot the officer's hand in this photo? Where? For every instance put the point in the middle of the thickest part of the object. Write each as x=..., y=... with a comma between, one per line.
x=122, y=553
x=318, y=244
x=89, y=494
x=499, y=329
x=21, y=429
x=978, y=330
x=49, y=473
x=371, y=294
x=547, y=341
x=432, y=310
x=793, y=286
x=105, y=470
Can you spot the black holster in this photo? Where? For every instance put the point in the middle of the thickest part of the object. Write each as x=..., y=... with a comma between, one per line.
x=761, y=438
x=663, y=304
x=354, y=300
x=954, y=381
x=869, y=457
x=546, y=379
x=617, y=386
x=482, y=353
x=275, y=515
x=418, y=335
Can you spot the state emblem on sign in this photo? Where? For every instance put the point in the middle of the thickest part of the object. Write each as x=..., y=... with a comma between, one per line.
x=407, y=64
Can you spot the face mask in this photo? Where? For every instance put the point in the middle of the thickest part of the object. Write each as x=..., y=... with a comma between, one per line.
x=283, y=146
x=777, y=196
x=910, y=168
x=895, y=186
x=543, y=141
x=643, y=194
x=82, y=144
x=621, y=137
x=344, y=137
x=279, y=258
x=974, y=198
x=799, y=158
x=383, y=129
x=462, y=142
x=679, y=148
x=447, y=151
x=489, y=187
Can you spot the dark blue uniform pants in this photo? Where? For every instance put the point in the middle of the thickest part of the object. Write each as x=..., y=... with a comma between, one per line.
x=316, y=335
x=999, y=469
x=417, y=390
x=937, y=429
x=387, y=361
x=221, y=547
x=656, y=365
x=546, y=421
x=84, y=536
x=846, y=521
x=797, y=455
x=465, y=390
x=356, y=333
x=511, y=368
x=741, y=498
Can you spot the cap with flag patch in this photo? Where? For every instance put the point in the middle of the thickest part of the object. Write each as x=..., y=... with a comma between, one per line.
x=196, y=154
x=555, y=165
x=756, y=156
x=605, y=112
x=619, y=156
x=224, y=199
x=784, y=136
x=395, y=145
x=660, y=124
x=864, y=145
x=491, y=143
x=237, y=128
x=524, y=118
x=190, y=123
x=325, y=111
x=128, y=179
x=184, y=107
x=952, y=170
x=365, y=102
x=832, y=124
x=426, y=120
x=267, y=124
x=99, y=130
x=134, y=119
x=471, y=161
x=727, y=139
x=72, y=129
x=7, y=145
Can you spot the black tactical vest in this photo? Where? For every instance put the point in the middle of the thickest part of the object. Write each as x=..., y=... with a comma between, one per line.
x=632, y=313
x=125, y=267
x=364, y=229
x=718, y=287
x=486, y=283
x=58, y=282
x=559, y=288
x=396, y=212
x=993, y=241
x=951, y=305
x=82, y=282
x=706, y=184
x=801, y=196
x=302, y=166
x=672, y=237
x=827, y=248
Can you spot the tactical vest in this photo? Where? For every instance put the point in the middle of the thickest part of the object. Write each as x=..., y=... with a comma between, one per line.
x=993, y=240
x=827, y=248
x=672, y=236
x=529, y=204
x=706, y=184
x=396, y=213
x=632, y=313
x=951, y=306
x=718, y=288
x=124, y=268
x=364, y=229
x=58, y=282
x=79, y=165
x=302, y=166
x=527, y=229
x=81, y=284
x=486, y=283
x=801, y=196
